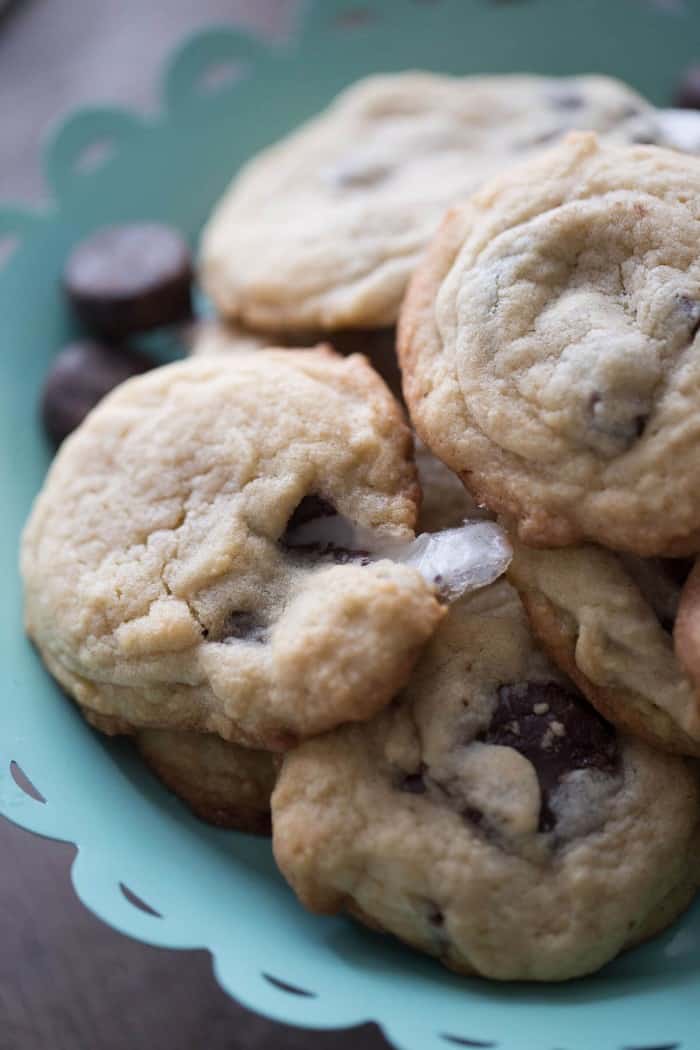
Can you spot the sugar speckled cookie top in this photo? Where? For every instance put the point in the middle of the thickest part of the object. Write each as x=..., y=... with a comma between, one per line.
x=324, y=229
x=160, y=584
x=549, y=345
x=489, y=816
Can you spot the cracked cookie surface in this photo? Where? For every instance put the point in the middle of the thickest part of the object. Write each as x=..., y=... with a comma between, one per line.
x=490, y=817
x=549, y=347
x=324, y=229
x=608, y=621
x=161, y=585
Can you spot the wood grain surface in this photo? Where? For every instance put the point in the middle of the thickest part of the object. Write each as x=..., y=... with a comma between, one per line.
x=67, y=982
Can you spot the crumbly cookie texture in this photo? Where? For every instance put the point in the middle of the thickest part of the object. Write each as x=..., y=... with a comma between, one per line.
x=549, y=347
x=161, y=586
x=608, y=621
x=324, y=229
x=490, y=817
x=222, y=783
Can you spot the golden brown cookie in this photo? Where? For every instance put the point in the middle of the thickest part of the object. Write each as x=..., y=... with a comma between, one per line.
x=607, y=621
x=164, y=583
x=222, y=783
x=490, y=817
x=549, y=346
x=323, y=230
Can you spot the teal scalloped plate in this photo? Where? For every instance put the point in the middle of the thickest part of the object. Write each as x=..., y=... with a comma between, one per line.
x=224, y=96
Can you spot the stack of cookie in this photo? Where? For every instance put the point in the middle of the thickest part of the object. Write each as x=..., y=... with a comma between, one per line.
x=223, y=561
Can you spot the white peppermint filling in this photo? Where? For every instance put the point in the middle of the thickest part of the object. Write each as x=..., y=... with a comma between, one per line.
x=455, y=561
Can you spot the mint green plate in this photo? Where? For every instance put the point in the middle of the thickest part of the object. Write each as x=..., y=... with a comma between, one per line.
x=224, y=96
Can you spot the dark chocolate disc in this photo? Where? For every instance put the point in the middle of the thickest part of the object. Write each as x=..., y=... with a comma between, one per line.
x=80, y=377
x=131, y=278
x=687, y=93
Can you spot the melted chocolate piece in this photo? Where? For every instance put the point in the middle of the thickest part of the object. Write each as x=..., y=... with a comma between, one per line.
x=312, y=508
x=473, y=815
x=556, y=730
x=617, y=433
x=687, y=94
x=80, y=376
x=414, y=784
x=690, y=310
x=243, y=627
x=131, y=278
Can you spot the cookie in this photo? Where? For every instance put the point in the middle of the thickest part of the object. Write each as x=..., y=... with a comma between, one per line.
x=164, y=586
x=323, y=230
x=491, y=818
x=228, y=785
x=608, y=621
x=222, y=783
x=549, y=347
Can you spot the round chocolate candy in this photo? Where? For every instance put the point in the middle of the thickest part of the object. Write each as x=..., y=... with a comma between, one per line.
x=687, y=94
x=131, y=278
x=81, y=375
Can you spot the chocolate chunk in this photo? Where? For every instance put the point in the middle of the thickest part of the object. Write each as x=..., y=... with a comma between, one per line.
x=80, y=377
x=131, y=278
x=687, y=93
x=358, y=175
x=473, y=815
x=242, y=626
x=556, y=730
x=296, y=537
x=311, y=507
x=567, y=99
x=612, y=431
x=690, y=312
x=414, y=784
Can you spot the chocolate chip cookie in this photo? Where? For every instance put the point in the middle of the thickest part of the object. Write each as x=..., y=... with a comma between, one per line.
x=222, y=783
x=165, y=585
x=323, y=230
x=490, y=817
x=549, y=345
x=608, y=621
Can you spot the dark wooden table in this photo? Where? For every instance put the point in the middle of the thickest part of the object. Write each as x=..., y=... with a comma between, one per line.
x=67, y=982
